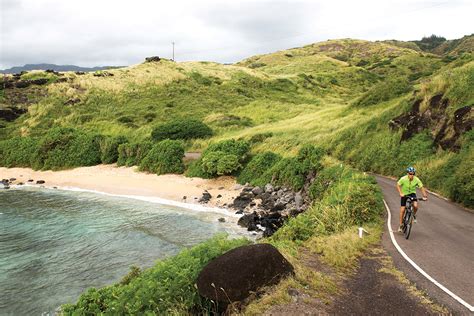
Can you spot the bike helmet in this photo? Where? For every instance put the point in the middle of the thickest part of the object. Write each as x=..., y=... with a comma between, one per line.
x=411, y=170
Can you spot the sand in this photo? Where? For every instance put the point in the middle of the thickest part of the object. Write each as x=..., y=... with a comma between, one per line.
x=127, y=181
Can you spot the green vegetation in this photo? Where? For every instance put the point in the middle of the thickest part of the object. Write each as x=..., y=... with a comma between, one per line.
x=267, y=119
x=109, y=148
x=225, y=157
x=131, y=154
x=255, y=172
x=164, y=157
x=181, y=129
x=293, y=171
x=166, y=288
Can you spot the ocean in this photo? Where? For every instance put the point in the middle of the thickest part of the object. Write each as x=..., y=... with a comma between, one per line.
x=54, y=244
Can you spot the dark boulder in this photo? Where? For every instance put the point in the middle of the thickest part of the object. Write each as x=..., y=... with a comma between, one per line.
x=268, y=201
x=40, y=182
x=242, y=200
x=257, y=191
x=271, y=222
x=152, y=59
x=23, y=84
x=103, y=74
x=39, y=81
x=31, y=180
x=206, y=196
x=248, y=219
x=10, y=114
x=236, y=274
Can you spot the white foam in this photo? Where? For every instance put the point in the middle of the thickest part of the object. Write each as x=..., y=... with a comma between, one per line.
x=157, y=200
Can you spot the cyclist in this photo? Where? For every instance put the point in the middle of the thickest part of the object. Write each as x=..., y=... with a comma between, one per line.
x=406, y=187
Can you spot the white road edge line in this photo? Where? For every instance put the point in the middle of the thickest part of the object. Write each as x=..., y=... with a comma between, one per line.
x=457, y=298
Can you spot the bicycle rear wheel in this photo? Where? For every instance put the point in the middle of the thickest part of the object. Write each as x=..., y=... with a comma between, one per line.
x=408, y=224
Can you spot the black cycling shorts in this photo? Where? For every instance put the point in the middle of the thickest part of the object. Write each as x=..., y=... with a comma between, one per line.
x=403, y=201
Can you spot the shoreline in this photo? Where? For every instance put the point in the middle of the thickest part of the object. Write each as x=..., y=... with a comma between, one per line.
x=127, y=182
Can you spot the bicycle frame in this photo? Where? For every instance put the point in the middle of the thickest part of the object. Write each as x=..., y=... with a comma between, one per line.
x=408, y=217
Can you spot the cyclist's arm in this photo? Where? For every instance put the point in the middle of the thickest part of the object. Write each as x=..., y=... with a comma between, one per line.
x=425, y=195
x=399, y=190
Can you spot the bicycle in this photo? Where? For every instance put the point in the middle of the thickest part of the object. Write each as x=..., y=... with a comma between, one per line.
x=408, y=216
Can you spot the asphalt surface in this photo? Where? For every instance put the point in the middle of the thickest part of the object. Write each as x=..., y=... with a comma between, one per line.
x=441, y=243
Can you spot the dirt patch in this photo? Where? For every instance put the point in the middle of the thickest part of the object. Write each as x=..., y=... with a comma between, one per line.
x=373, y=292
x=373, y=289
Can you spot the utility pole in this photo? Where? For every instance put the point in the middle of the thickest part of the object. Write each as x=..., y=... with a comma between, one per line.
x=173, y=51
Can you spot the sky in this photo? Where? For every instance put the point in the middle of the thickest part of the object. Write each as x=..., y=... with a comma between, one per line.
x=119, y=32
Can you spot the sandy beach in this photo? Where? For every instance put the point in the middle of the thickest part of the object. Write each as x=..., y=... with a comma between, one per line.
x=127, y=181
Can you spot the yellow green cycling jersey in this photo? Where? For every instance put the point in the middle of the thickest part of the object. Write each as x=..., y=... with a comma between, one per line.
x=409, y=187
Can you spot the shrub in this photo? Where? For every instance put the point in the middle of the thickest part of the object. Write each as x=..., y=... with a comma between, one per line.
x=109, y=148
x=166, y=288
x=232, y=146
x=17, y=151
x=165, y=157
x=256, y=168
x=131, y=154
x=181, y=129
x=66, y=148
x=219, y=163
x=194, y=169
x=292, y=172
x=225, y=157
x=258, y=138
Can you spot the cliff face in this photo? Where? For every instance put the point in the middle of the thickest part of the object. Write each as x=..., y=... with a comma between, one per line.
x=444, y=127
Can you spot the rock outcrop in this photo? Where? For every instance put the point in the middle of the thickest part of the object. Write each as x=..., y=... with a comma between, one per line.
x=445, y=128
x=236, y=274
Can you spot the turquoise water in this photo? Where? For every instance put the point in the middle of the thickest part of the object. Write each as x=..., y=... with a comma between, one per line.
x=54, y=244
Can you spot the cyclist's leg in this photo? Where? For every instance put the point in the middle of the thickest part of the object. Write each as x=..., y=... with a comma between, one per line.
x=402, y=212
x=403, y=201
x=415, y=204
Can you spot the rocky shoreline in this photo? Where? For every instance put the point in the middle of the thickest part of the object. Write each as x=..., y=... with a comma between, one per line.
x=264, y=209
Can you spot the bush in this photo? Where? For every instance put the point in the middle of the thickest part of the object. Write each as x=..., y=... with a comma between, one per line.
x=181, y=129
x=219, y=163
x=225, y=157
x=109, y=148
x=131, y=154
x=194, y=169
x=165, y=157
x=256, y=168
x=232, y=146
x=66, y=148
x=17, y=151
x=292, y=172
x=166, y=288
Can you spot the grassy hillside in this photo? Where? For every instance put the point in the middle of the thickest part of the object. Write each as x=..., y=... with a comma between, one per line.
x=379, y=106
x=352, y=97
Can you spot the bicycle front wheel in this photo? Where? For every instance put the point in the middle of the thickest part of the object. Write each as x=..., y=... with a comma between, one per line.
x=408, y=224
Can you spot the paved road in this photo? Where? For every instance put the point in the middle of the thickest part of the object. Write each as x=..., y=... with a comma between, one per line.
x=441, y=243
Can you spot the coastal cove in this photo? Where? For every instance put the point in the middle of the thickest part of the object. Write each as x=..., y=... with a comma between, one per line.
x=56, y=243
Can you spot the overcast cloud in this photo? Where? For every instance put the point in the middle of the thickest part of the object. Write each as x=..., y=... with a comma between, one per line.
x=117, y=32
